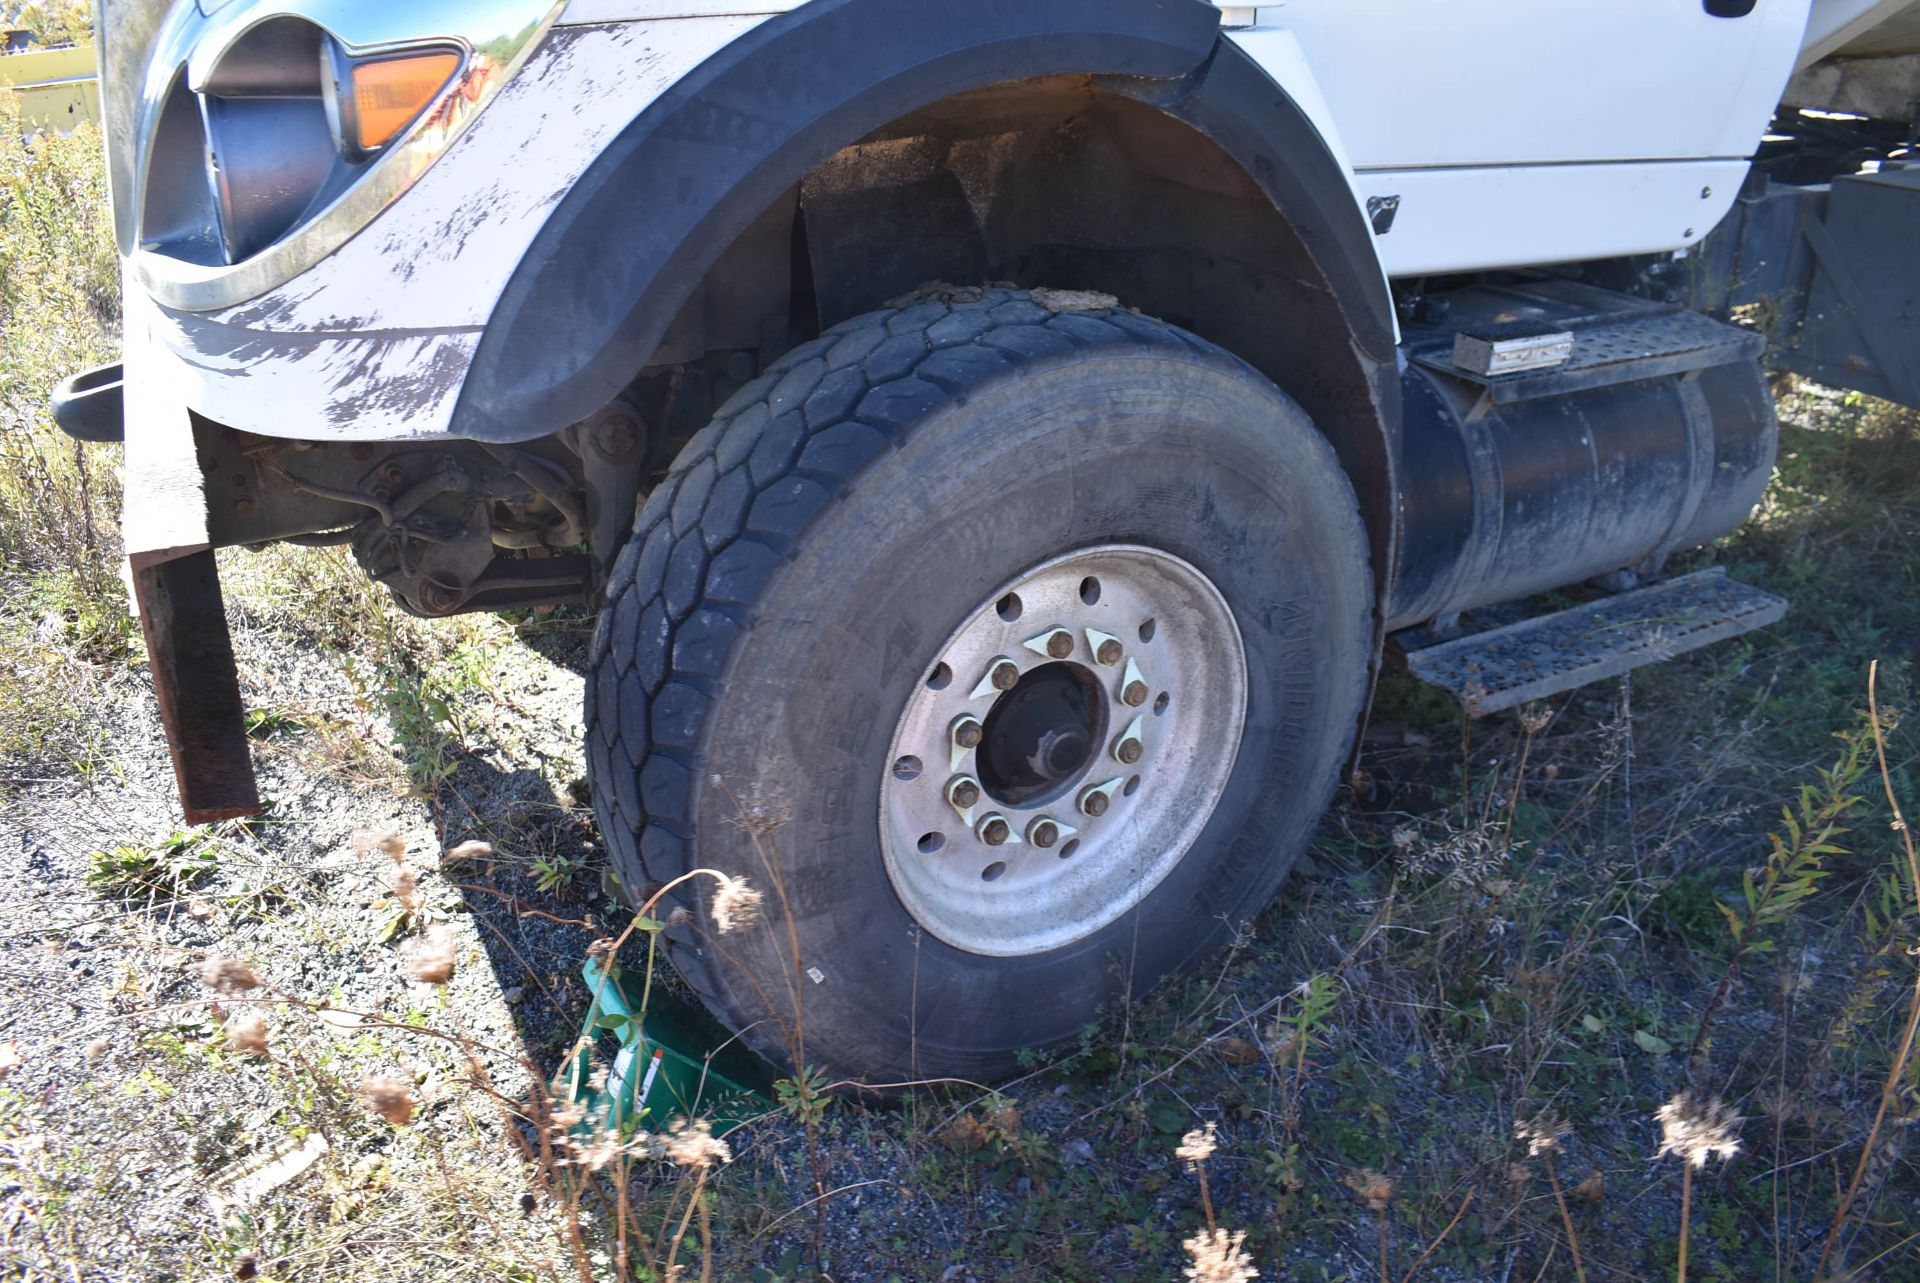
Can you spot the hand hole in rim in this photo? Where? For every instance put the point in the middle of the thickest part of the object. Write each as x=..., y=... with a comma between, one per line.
x=1160, y=705
x=1147, y=630
x=1133, y=786
x=993, y=871
x=930, y=843
x=1009, y=607
x=1090, y=591
x=1068, y=847
x=907, y=768
x=940, y=678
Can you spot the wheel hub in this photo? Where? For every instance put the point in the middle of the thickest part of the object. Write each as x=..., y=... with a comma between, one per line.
x=1040, y=733
x=1087, y=718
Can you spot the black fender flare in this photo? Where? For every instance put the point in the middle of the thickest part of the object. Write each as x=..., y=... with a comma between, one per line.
x=629, y=242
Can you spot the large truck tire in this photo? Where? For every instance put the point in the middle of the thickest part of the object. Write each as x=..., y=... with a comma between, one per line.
x=1010, y=646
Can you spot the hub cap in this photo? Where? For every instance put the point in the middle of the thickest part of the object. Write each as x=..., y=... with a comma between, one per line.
x=1064, y=752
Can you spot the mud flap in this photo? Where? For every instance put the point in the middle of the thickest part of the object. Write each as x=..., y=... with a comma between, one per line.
x=191, y=656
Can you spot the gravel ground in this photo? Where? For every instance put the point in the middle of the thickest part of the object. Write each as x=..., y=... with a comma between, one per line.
x=1472, y=979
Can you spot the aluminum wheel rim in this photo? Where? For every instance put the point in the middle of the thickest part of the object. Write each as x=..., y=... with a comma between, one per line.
x=993, y=864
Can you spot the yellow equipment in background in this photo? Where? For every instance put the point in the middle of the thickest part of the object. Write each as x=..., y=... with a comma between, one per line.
x=58, y=88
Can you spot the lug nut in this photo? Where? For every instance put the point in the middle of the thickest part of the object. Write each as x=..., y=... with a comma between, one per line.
x=1096, y=798
x=963, y=791
x=994, y=830
x=1133, y=686
x=967, y=732
x=1002, y=675
x=1055, y=643
x=1043, y=832
x=1130, y=745
x=1106, y=648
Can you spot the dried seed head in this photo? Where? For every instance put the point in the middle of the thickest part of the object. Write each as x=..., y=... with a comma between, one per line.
x=680, y=916
x=762, y=812
x=1404, y=837
x=430, y=959
x=602, y=950
x=1534, y=718
x=1593, y=1189
x=1550, y=772
x=247, y=1034
x=694, y=1145
x=406, y=889
x=1541, y=1134
x=1197, y=1146
x=391, y=1098
x=1236, y=1051
x=1376, y=1190
x=387, y=842
x=735, y=904
x=467, y=852
x=228, y=975
x=964, y=1132
x=1697, y=1132
x=1219, y=1257
x=1005, y=1120
x=96, y=1049
x=1277, y=1040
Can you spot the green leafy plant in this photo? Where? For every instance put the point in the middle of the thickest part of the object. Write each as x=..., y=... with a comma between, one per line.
x=554, y=872
x=163, y=868
x=1794, y=867
x=804, y=1096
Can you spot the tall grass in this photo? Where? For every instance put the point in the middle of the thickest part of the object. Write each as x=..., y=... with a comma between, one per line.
x=59, y=313
x=62, y=606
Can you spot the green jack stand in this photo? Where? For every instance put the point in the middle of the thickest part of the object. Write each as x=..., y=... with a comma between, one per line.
x=674, y=1063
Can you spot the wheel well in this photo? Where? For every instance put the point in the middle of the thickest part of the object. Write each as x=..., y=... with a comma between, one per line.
x=1060, y=181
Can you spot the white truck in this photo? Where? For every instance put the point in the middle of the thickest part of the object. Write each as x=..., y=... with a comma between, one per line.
x=1002, y=439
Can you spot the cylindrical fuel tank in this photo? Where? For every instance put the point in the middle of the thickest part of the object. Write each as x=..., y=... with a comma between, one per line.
x=1499, y=501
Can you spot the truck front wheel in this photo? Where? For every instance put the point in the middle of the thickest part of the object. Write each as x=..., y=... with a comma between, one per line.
x=1011, y=648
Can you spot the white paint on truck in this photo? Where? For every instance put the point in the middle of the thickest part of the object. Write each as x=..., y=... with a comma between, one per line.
x=1514, y=132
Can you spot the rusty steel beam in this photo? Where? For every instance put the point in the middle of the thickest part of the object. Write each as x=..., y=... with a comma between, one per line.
x=194, y=678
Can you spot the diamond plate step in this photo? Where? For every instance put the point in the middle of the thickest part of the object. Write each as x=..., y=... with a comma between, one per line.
x=1615, y=339
x=1548, y=654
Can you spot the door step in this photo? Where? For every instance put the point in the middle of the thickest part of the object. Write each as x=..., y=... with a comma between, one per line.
x=1542, y=656
x=1602, y=339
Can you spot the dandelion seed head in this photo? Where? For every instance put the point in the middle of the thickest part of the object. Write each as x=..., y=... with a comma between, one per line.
x=229, y=976
x=467, y=852
x=1541, y=1134
x=430, y=959
x=762, y=813
x=1219, y=1256
x=1697, y=1132
x=391, y=1098
x=247, y=1034
x=693, y=1144
x=387, y=842
x=1197, y=1146
x=1373, y=1188
x=735, y=904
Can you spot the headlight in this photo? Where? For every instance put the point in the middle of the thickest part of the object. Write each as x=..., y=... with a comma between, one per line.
x=268, y=132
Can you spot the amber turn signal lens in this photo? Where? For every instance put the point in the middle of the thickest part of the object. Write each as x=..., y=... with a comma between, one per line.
x=390, y=93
